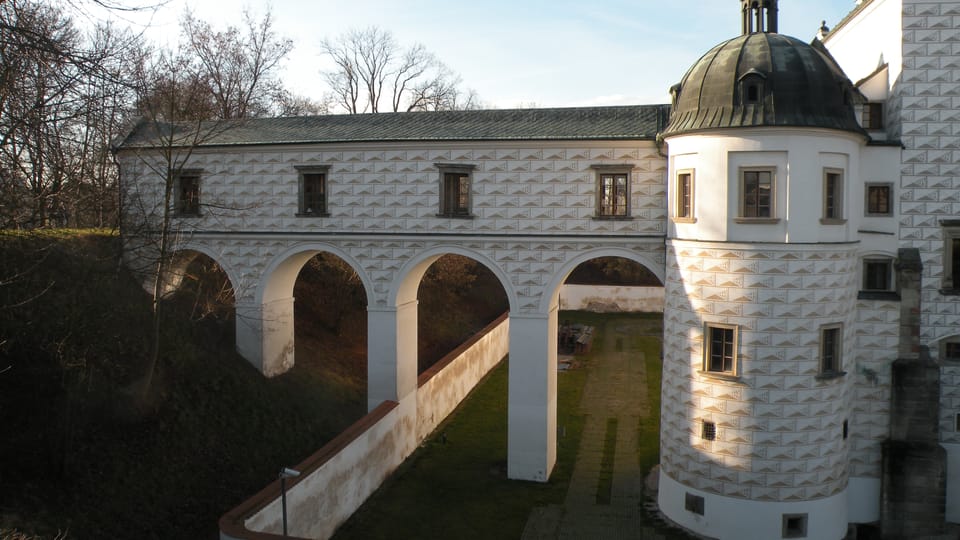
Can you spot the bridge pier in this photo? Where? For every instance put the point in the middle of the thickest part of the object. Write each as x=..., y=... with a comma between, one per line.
x=265, y=334
x=532, y=407
x=391, y=353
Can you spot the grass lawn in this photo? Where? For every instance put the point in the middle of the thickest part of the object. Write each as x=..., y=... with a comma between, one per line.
x=458, y=488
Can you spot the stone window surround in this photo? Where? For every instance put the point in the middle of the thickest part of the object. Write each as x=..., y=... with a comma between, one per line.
x=889, y=292
x=679, y=206
x=599, y=172
x=794, y=525
x=837, y=369
x=303, y=170
x=741, y=218
x=943, y=344
x=837, y=202
x=463, y=170
x=950, y=284
x=180, y=206
x=734, y=373
x=866, y=199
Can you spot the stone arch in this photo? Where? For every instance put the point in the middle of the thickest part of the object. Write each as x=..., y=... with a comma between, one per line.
x=281, y=273
x=407, y=281
x=179, y=262
x=551, y=293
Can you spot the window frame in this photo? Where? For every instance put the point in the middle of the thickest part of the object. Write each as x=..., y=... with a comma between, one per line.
x=613, y=171
x=950, y=280
x=867, y=212
x=684, y=207
x=833, y=197
x=303, y=171
x=742, y=195
x=708, y=345
x=182, y=209
x=795, y=525
x=835, y=369
x=943, y=346
x=865, y=283
x=462, y=207
x=871, y=117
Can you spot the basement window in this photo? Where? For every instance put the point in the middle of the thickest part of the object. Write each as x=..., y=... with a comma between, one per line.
x=709, y=431
x=693, y=503
x=794, y=525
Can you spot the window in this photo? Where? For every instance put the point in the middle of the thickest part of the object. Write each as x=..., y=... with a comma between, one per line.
x=751, y=87
x=694, y=503
x=950, y=350
x=832, y=196
x=708, y=431
x=877, y=274
x=756, y=194
x=684, y=196
x=794, y=525
x=313, y=191
x=188, y=193
x=951, y=256
x=831, y=350
x=455, y=190
x=957, y=427
x=872, y=116
x=613, y=192
x=720, y=353
x=846, y=429
x=878, y=200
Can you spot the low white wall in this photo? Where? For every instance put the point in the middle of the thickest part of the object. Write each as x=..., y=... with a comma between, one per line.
x=609, y=298
x=444, y=386
x=338, y=478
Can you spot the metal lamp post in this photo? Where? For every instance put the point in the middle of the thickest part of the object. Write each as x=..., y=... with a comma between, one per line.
x=284, y=474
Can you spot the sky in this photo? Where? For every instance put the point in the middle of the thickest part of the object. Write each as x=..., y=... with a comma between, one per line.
x=517, y=53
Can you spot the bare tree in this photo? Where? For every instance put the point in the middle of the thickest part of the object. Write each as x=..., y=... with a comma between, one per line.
x=239, y=66
x=371, y=67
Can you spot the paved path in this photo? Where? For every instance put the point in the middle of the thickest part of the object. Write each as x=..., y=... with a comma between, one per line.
x=614, y=400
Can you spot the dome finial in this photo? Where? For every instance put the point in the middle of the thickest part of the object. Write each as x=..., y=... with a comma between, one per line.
x=759, y=16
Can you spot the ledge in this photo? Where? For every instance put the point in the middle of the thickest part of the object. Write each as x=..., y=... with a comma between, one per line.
x=312, y=214
x=830, y=375
x=721, y=376
x=684, y=220
x=832, y=221
x=878, y=295
x=756, y=221
x=613, y=218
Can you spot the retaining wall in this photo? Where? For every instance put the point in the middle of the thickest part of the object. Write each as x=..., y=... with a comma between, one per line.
x=339, y=477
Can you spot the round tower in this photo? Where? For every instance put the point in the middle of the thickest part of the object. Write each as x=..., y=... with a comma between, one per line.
x=761, y=288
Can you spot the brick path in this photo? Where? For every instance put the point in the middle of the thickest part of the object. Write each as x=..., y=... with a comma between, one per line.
x=615, y=398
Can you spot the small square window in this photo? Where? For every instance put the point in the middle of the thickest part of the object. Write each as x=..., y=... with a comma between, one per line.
x=949, y=350
x=313, y=191
x=831, y=350
x=188, y=193
x=720, y=349
x=832, y=196
x=708, y=431
x=877, y=275
x=693, y=503
x=878, y=200
x=613, y=191
x=757, y=194
x=455, y=189
x=684, y=197
x=794, y=525
x=872, y=116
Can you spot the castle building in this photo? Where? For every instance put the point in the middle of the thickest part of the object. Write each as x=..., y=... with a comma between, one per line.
x=799, y=201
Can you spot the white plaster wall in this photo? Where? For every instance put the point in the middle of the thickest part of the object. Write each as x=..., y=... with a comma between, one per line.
x=799, y=158
x=608, y=298
x=870, y=39
x=730, y=518
x=442, y=393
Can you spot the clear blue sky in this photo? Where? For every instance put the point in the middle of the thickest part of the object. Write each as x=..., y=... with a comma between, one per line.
x=524, y=52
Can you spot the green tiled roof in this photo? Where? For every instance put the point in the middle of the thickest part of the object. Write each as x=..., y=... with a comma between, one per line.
x=587, y=123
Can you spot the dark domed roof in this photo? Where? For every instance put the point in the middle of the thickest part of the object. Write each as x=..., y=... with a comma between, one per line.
x=763, y=79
